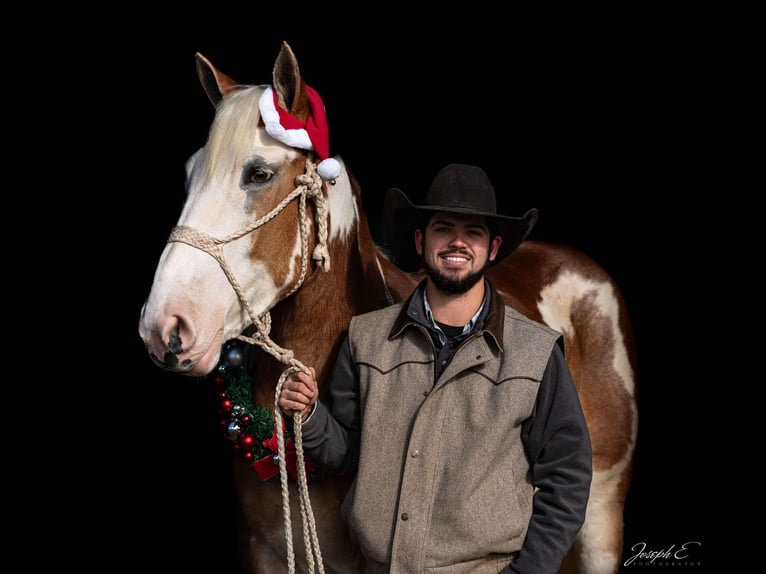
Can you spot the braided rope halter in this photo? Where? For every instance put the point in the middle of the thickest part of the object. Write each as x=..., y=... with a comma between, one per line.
x=308, y=185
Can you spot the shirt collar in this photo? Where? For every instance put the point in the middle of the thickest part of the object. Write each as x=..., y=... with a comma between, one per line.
x=490, y=320
x=467, y=328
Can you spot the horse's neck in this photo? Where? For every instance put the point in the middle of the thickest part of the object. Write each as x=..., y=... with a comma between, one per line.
x=313, y=321
x=393, y=284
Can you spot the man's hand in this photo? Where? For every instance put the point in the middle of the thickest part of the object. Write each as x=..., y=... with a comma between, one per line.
x=299, y=393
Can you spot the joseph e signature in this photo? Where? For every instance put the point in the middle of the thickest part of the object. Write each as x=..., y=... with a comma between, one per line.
x=680, y=552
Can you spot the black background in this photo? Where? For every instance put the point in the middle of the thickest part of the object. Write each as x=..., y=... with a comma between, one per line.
x=603, y=129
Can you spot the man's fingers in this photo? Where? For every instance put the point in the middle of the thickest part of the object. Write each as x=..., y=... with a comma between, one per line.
x=299, y=391
x=289, y=401
x=303, y=386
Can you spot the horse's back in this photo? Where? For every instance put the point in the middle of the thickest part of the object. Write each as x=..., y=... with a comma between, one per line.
x=537, y=266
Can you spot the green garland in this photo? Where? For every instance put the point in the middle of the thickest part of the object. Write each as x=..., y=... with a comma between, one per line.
x=251, y=428
x=244, y=418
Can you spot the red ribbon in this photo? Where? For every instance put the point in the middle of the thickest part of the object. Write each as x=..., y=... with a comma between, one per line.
x=268, y=466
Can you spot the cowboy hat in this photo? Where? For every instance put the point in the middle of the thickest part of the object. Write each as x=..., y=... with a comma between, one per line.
x=457, y=188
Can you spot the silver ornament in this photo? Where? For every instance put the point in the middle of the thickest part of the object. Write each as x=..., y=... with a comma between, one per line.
x=234, y=357
x=232, y=431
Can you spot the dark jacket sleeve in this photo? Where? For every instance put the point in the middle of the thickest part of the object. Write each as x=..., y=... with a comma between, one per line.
x=558, y=445
x=331, y=432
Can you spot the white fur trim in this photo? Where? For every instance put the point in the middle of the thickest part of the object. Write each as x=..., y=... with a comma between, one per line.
x=294, y=138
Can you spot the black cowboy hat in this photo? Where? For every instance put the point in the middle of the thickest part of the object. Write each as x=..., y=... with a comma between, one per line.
x=457, y=188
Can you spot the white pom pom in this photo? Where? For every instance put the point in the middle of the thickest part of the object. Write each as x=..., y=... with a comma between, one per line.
x=329, y=169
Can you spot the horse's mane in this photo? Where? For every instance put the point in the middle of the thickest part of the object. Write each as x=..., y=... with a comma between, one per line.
x=232, y=131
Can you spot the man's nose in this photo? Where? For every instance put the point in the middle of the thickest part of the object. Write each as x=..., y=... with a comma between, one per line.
x=458, y=239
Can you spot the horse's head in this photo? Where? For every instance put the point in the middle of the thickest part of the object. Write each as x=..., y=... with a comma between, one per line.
x=257, y=210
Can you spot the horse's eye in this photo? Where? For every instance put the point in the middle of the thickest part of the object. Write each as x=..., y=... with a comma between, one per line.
x=258, y=175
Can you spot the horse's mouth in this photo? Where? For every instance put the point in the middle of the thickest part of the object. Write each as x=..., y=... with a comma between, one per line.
x=170, y=362
x=190, y=363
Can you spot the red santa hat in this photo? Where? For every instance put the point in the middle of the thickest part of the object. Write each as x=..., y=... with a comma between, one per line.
x=311, y=134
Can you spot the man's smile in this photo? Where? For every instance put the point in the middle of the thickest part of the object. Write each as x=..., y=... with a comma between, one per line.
x=458, y=259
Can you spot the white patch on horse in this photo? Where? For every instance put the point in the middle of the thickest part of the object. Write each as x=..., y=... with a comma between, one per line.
x=343, y=210
x=555, y=306
x=260, y=291
x=598, y=555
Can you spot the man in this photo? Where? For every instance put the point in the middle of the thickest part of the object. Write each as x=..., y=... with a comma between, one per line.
x=457, y=413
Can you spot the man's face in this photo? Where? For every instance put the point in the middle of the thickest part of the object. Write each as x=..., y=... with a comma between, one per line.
x=456, y=250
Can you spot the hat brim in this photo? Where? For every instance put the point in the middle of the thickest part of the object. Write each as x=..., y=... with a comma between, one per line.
x=401, y=216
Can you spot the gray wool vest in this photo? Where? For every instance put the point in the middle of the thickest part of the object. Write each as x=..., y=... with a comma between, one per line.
x=441, y=460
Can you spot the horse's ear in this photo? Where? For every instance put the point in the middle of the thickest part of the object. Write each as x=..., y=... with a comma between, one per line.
x=217, y=84
x=288, y=84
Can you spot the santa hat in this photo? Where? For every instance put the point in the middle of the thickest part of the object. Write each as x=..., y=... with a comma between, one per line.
x=311, y=134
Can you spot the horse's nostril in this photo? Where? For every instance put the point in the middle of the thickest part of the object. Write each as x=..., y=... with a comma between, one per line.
x=175, y=345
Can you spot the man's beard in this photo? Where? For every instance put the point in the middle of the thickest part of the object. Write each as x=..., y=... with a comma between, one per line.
x=454, y=285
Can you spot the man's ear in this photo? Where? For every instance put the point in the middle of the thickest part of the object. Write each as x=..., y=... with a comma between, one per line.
x=419, y=241
x=494, y=245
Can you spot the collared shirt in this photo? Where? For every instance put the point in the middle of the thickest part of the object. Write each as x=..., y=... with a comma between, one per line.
x=445, y=345
x=467, y=328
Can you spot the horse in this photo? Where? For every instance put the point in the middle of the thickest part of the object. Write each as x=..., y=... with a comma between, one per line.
x=268, y=262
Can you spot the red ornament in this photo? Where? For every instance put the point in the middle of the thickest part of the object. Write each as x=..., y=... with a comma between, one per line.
x=268, y=466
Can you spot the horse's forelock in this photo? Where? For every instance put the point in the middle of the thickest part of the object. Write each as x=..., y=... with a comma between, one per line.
x=233, y=131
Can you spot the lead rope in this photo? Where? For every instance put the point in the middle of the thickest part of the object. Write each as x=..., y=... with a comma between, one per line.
x=307, y=185
x=389, y=298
